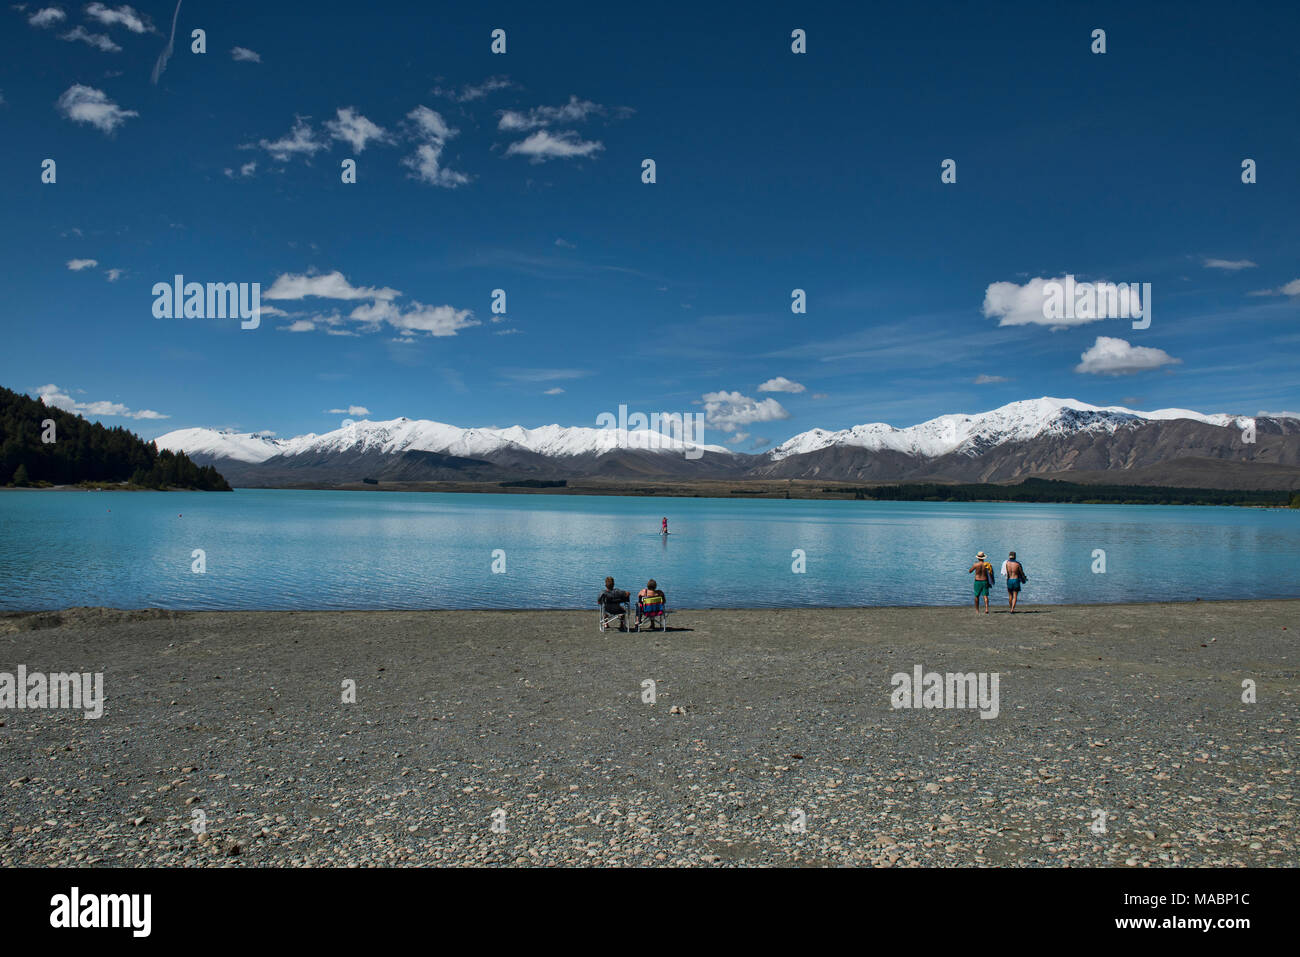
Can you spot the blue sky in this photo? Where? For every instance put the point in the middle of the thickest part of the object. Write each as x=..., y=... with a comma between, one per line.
x=522, y=172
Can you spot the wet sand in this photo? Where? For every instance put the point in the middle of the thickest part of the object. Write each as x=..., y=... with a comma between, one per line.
x=764, y=722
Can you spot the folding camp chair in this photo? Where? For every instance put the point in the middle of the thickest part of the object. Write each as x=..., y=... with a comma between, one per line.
x=611, y=613
x=649, y=610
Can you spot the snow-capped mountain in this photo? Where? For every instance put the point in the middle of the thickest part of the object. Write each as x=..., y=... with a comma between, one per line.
x=420, y=450
x=225, y=444
x=973, y=435
x=1044, y=437
x=396, y=436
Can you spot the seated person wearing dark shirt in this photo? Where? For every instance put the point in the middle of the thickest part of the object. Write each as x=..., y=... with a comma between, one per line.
x=611, y=600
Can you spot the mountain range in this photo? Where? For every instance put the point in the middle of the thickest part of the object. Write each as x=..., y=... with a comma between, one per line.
x=1047, y=437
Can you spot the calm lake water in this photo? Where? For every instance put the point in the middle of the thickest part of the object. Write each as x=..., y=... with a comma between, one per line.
x=314, y=550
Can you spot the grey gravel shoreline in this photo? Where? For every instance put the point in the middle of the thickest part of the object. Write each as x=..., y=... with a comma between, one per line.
x=1127, y=714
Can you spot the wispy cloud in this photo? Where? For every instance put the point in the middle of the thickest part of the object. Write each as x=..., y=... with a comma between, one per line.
x=545, y=145
x=1290, y=289
x=244, y=55
x=1230, y=265
x=47, y=17
x=76, y=265
x=122, y=16
x=575, y=111
x=100, y=41
x=990, y=379
x=473, y=91
x=350, y=410
x=57, y=398
x=161, y=63
x=543, y=375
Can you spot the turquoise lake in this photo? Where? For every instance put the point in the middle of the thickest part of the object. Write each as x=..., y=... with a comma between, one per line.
x=319, y=550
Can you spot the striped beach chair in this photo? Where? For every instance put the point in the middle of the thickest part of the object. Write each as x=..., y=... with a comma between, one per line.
x=650, y=610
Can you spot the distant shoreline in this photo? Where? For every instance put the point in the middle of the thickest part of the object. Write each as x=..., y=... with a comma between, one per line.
x=12, y=616
x=1035, y=491
x=1028, y=491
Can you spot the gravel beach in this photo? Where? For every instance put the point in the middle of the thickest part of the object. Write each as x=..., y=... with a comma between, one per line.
x=525, y=738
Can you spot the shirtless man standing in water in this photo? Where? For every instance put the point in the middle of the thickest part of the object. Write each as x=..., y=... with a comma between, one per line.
x=1014, y=573
x=983, y=580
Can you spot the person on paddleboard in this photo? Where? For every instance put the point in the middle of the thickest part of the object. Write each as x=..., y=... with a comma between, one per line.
x=665, y=526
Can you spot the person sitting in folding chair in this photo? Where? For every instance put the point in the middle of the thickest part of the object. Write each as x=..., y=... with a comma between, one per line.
x=611, y=605
x=651, y=606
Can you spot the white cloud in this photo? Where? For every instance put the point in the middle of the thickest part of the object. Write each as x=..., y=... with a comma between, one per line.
x=299, y=140
x=544, y=145
x=435, y=320
x=1110, y=356
x=160, y=65
x=990, y=379
x=555, y=391
x=426, y=162
x=544, y=375
x=471, y=91
x=47, y=17
x=331, y=285
x=350, y=410
x=248, y=169
x=84, y=104
x=57, y=398
x=101, y=41
x=575, y=111
x=408, y=319
x=729, y=410
x=244, y=55
x=1231, y=265
x=123, y=16
x=1290, y=289
x=354, y=129
x=428, y=168
x=113, y=274
x=1027, y=305
x=781, y=384
x=429, y=124
x=76, y=265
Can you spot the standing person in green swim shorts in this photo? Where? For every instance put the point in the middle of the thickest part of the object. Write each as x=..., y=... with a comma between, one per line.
x=983, y=580
x=1014, y=572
